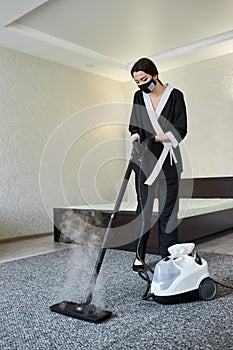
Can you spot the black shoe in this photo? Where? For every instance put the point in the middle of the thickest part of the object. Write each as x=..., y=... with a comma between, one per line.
x=137, y=268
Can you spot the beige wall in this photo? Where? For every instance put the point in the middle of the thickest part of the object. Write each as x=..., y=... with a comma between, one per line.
x=36, y=97
x=208, y=90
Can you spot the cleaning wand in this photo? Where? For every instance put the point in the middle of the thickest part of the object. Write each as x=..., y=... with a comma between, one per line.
x=85, y=310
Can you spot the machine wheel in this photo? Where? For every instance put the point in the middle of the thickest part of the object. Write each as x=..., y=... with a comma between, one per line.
x=207, y=289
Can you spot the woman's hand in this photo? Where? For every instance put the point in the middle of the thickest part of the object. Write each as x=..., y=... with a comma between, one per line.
x=162, y=138
x=135, y=138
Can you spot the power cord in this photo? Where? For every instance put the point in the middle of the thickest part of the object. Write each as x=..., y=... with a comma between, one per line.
x=223, y=285
x=138, y=147
x=144, y=275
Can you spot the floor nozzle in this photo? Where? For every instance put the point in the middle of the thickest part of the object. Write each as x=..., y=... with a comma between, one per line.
x=82, y=311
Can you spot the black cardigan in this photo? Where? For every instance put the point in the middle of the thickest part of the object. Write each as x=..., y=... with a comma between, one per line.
x=173, y=118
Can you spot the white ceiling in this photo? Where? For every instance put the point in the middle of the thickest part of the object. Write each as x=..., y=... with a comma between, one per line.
x=106, y=36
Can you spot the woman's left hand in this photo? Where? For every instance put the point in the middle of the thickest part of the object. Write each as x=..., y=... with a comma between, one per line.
x=162, y=138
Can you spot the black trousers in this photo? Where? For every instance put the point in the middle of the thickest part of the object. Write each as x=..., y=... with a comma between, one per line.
x=168, y=206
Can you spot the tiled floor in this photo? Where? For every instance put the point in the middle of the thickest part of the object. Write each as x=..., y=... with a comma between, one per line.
x=18, y=249
x=219, y=243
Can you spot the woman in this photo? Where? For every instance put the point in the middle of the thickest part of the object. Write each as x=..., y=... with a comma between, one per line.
x=158, y=115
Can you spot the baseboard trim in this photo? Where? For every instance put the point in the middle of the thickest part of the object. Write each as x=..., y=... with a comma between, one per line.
x=23, y=237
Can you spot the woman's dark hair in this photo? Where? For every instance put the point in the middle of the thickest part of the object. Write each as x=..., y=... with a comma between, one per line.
x=146, y=65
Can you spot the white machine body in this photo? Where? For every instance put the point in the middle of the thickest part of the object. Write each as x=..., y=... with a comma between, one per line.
x=179, y=273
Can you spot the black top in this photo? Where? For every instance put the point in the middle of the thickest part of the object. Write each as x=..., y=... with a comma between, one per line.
x=173, y=118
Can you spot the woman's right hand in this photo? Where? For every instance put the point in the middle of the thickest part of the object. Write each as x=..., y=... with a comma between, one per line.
x=135, y=138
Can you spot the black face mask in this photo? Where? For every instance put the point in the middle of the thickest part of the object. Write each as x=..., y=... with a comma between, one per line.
x=148, y=87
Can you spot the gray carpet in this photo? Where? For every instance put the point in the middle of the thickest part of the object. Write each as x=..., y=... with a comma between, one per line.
x=29, y=286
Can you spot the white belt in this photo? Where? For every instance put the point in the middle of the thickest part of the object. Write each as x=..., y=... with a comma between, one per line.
x=155, y=172
x=168, y=147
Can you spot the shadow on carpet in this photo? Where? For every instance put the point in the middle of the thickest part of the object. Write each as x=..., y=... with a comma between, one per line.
x=29, y=286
